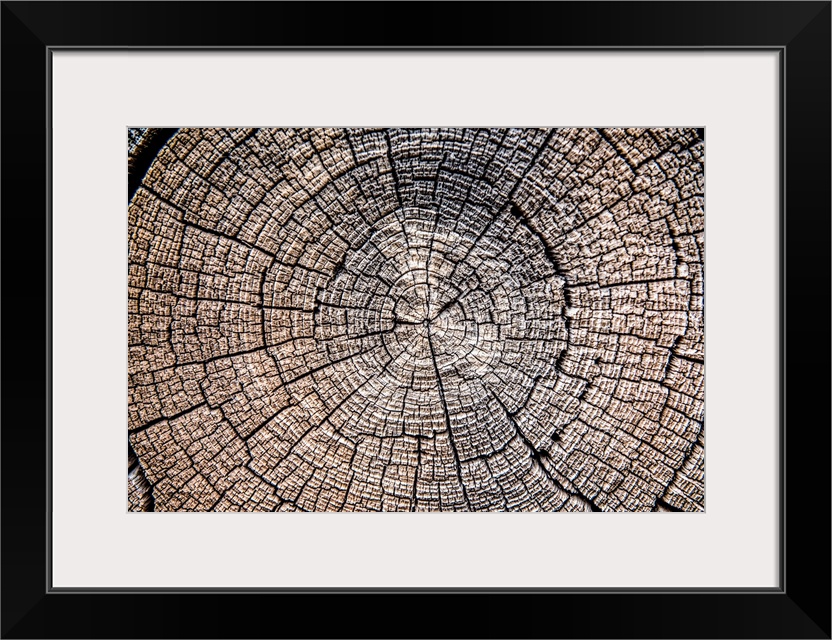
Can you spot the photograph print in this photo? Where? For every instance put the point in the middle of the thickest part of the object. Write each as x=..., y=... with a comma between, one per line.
x=416, y=319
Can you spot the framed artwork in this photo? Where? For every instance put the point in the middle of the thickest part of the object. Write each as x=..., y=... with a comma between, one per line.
x=441, y=308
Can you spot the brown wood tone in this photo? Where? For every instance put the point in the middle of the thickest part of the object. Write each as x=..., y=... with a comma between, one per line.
x=417, y=320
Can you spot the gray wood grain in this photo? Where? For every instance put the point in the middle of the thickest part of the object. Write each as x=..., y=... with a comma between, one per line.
x=418, y=320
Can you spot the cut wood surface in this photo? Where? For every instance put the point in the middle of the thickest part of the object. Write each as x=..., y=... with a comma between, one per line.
x=416, y=320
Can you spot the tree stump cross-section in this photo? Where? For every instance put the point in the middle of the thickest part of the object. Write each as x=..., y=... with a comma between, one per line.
x=416, y=319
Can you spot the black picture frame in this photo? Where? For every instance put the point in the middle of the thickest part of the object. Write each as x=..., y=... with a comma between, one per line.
x=798, y=608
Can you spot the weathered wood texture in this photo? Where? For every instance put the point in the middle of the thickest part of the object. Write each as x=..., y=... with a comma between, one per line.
x=392, y=319
x=137, y=140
